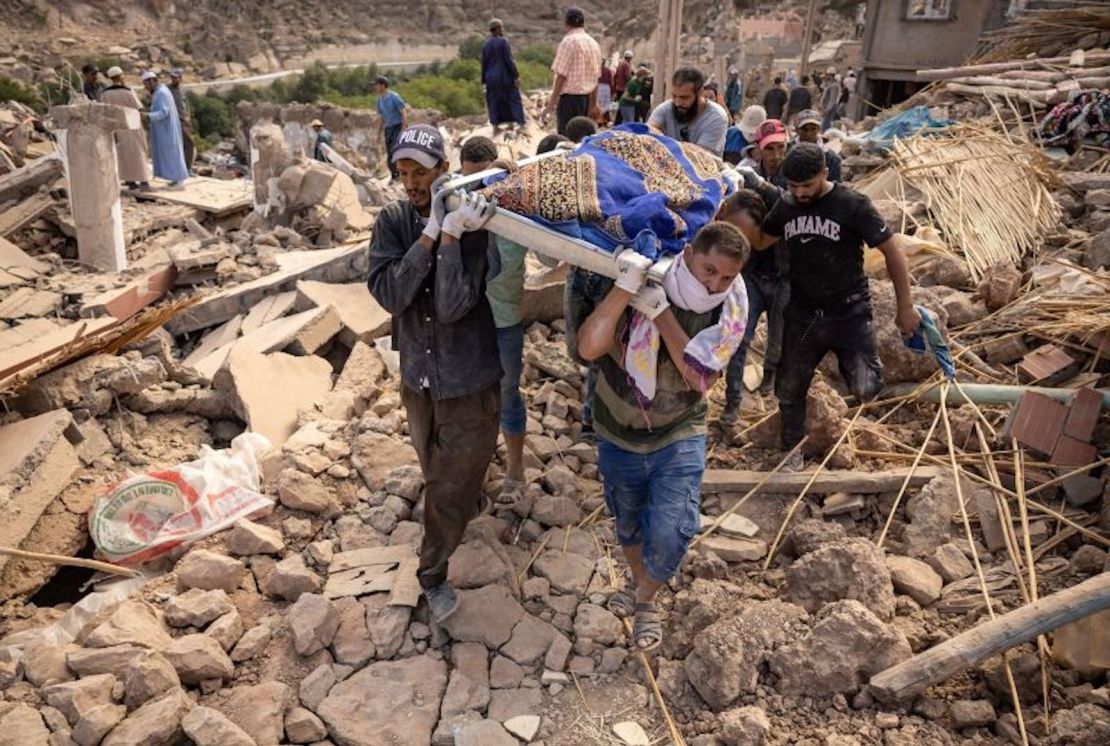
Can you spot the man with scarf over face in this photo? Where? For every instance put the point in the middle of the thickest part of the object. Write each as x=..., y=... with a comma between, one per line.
x=657, y=350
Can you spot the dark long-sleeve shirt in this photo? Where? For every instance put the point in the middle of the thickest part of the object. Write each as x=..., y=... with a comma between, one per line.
x=442, y=322
x=498, y=68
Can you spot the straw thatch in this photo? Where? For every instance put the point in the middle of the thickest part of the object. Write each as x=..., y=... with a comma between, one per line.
x=986, y=192
x=1047, y=32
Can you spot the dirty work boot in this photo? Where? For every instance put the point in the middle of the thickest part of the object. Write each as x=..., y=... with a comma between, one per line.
x=730, y=415
x=767, y=385
x=796, y=462
x=442, y=601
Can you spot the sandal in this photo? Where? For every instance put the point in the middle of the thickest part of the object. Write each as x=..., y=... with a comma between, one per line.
x=623, y=602
x=647, y=631
x=512, y=490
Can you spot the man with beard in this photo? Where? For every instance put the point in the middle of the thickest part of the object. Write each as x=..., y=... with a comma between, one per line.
x=428, y=268
x=825, y=227
x=689, y=117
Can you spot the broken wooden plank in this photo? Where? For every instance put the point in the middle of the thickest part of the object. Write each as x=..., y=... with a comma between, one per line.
x=37, y=460
x=331, y=265
x=390, y=555
x=215, y=196
x=912, y=677
x=18, y=358
x=861, y=482
x=363, y=319
x=24, y=213
x=406, y=587
x=360, y=581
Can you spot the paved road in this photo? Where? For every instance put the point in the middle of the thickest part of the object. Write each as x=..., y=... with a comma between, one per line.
x=257, y=81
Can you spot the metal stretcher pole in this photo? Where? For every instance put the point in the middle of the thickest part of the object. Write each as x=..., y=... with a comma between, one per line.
x=551, y=243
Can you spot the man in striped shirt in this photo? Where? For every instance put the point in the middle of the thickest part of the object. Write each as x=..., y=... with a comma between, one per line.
x=577, y=67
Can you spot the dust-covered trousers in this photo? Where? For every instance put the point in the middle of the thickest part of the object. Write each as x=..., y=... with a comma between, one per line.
x=849, y=331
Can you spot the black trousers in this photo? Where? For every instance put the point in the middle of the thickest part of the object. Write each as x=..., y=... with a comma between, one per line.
x=807, y=336
x=571, y=105
x=455, y=440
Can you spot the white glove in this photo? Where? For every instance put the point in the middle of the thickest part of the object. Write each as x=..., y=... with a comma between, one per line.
x=752, y=180
x=651, y=301
x=438, y=208
x=472, y=213
x=631, y=270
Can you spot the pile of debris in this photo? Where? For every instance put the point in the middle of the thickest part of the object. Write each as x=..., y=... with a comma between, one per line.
x=806, y=598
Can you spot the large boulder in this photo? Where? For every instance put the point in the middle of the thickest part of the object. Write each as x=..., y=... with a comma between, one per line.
x=727, y=655
x=850, y=569
x=394, y=702
x=847, y=645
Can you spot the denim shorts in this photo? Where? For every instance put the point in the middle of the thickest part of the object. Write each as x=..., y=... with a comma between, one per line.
x=655, y=499
x=510, y=345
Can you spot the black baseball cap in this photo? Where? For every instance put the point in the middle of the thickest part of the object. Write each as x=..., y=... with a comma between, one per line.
x=422, y=143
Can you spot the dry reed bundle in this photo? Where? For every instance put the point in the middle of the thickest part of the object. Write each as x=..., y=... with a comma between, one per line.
x=109, y=341
x=986, y=192
x=1046, y=33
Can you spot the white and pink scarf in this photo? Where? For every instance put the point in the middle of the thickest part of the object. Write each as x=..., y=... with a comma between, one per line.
x=709, y=351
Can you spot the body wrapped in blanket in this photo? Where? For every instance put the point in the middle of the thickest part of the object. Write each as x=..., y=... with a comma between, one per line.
x=632, y=188
x=627, y=186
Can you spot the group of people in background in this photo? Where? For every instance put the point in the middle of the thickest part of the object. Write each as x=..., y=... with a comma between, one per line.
x=167, y=118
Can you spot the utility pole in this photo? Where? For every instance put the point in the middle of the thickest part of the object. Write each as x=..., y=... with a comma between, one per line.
x=666, y=51
x=807, y=37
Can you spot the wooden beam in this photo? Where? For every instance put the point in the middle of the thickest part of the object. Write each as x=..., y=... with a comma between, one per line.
x=911, y=677
x=791, y=483
x=24, y=180
x=24, y=213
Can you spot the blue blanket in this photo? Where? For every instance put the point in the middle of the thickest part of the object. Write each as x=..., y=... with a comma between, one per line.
x=627, y=186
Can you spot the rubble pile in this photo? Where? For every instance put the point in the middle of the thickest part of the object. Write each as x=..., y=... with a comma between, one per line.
x=248, y=312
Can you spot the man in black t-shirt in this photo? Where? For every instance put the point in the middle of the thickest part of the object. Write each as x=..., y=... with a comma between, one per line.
x=800, y=100
x=825, y=227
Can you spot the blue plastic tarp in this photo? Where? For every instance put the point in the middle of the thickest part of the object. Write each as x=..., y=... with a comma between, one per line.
x=910, y=122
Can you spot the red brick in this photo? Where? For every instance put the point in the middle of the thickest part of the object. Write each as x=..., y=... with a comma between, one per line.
x=1037, y=422
x=1044, y=362
x=1072, y=452
x=1083, y=414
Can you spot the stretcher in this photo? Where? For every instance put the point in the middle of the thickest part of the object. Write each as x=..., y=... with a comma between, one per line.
x=544, y=240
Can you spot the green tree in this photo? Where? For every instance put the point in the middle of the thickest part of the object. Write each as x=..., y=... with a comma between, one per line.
x=13, y=90
x=470, y=48
x=213, y=115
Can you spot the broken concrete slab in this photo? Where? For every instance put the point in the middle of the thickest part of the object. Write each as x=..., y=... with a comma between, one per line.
x=27, y=302
x=221, y=336
x=214, y=196
x=16, y=266
x=302, y=333
x=269, y=390
x=24, y=213
x=37, y=460
x=341, y=264
x=269, y=309
x=363, y=319
x=23, y=181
